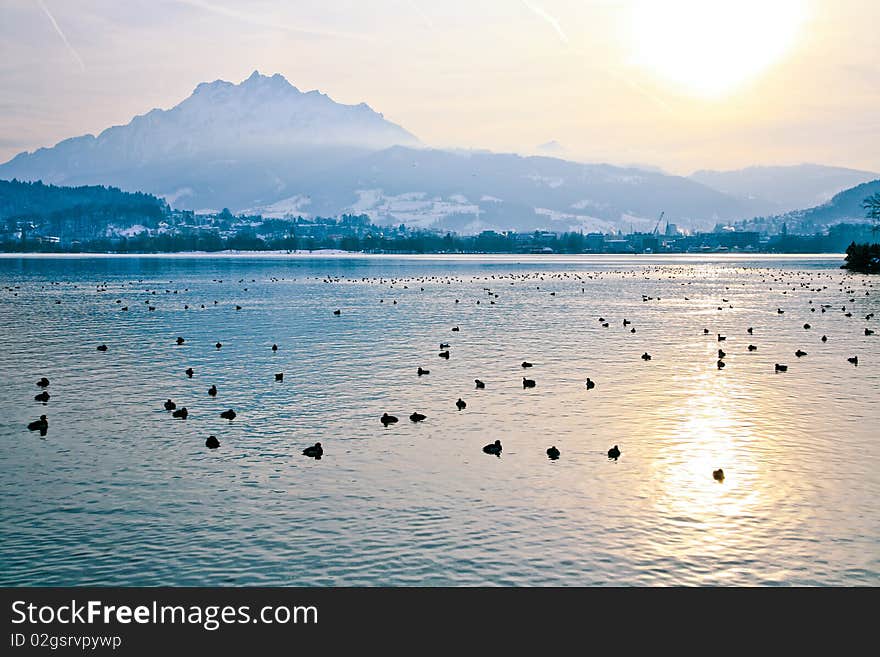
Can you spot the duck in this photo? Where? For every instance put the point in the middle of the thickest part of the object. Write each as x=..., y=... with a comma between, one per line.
x=102, y=347
x=170, y=405
x=388, y=419
x=39, y=425
x=750, y=330
x=824, y=338
x=455, y=329
x=274, y=347
x=526, y=363
x=43, y=383
x=417, y=417
x=444, y=345
x=721, y=353
x=553, y=453
x=590, y=383
x=646, y=356
x=807, y=326
x=42, y=397
x=444, y=354
x=337, y=312
x=189, y=372
x=721, y=337
x=854, y=360
x=718, y=475
x=869, y=331
x=212, y=442
x=705, y=331
x=218, y=345
x=315, y=451
x=461, y=404
x=614, y=453
x=423, y=372
x=493, y=448
x=480, y=385
x=528, y=383
x=180, y=340
x=212, y=391
x=781, y=368
x=721, y=364
x=181, y=413
x=228, y=415
x=279, y=376
x=752, y=347
x=800, y=353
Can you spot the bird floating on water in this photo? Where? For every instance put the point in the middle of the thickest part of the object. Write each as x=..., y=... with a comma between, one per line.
x=43, y=383
x=461, y=404
x=228, y=415
x=417, y=417
x=480, y=385
x=590, y=383
x=170, y=405
x=493, y=448
x=614, y=453
x=718, y=475
x=212, y=442
x=181, y=413
x=315, y=451
x=528, y=383
x=423, y=372
x=39, y=425
x=388, y=419
x=553, y=453
x=212, y=391
x=781, y=368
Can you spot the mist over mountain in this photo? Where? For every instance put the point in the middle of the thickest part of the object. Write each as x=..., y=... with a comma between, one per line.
x=776, y=189
x=264, y=146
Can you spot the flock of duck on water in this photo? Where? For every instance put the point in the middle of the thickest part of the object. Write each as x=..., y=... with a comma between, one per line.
x=495, y=448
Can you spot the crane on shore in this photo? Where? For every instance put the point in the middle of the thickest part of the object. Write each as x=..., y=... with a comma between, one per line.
x=657, y=225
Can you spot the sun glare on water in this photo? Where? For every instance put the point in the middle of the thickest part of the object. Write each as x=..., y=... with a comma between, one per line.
x=708, y=48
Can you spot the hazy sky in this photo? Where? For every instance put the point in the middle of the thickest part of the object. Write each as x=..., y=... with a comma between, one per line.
x=680, y=84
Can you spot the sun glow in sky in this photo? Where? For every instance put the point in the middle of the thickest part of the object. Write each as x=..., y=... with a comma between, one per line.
x=679, y=84
x=711, y=47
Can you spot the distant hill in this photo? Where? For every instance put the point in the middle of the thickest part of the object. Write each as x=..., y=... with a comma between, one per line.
x=778, y=189
x=844, y=207
x=75, y=212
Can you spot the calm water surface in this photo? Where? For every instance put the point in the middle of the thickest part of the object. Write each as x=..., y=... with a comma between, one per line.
x=118, y=492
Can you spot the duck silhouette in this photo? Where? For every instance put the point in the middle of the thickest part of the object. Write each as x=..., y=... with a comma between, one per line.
x=800, y=353
x=614, y=453
x=869, y=331
x=590, y=384
x=807, y=326
x=493, y=448
x=170, y=405
x=646, y=356
x=228, y=415
x=780, y=368
x=444, y=354
x=721, y=364
x=181, y=413
x=43, y=383
x=212, y=442
x=315, y=451
x=274, y=347
x=102, y=347
x=718, y=475
x=456, y=329
x=553, y=453
x=417, y=417
x=212, y=391
x=444, y=345
x=461, y=404
x=824, y=338
x=480, y=385
x=749, y=330
x=528, y=383
x=721, y=337
x=388, y=419
x=279, y=376
x=189, y=372
x=854, y=360
x=180, y=340
x=42, y=397
x=40, y=425
x=218, y=345
x=423, y=372
x=526, y=363
x=337, y=312
x=752, y=347
x=721, y=353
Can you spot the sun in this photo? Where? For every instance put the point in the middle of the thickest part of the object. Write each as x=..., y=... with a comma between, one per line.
x=709, y=48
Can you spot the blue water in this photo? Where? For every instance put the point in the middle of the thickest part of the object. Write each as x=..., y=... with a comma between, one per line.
x=119, y=492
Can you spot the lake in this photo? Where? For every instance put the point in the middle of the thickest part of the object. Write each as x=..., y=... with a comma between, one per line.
x=120, y=493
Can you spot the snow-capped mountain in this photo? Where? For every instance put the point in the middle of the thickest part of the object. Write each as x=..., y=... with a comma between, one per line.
x=263, y=146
